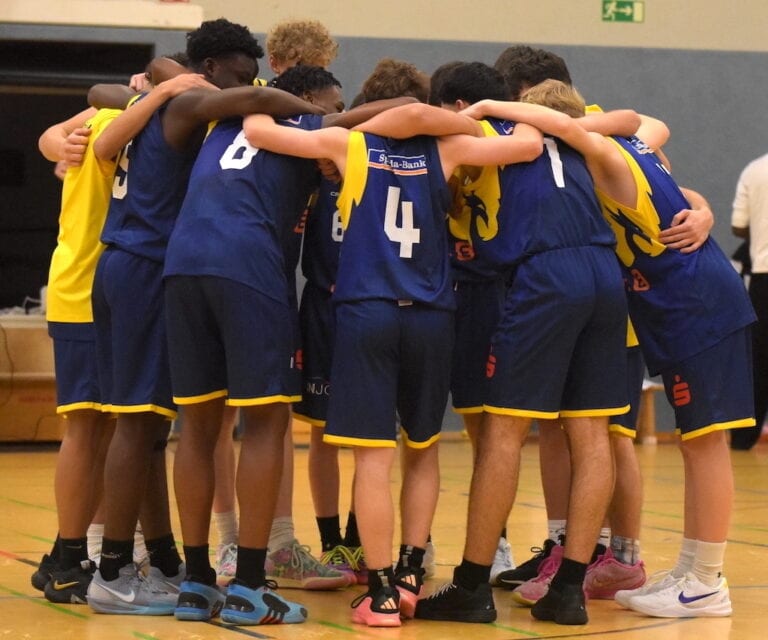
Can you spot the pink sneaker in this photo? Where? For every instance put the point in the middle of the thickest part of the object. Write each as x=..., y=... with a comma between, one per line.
x=410, y=584
x=380, y=609
x=529, y=593
x=607, y=575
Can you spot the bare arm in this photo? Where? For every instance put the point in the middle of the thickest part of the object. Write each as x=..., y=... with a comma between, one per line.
x=190, y=111
x=66, y=141
x=263, y=132
x=690, y=227
x=524, y=145
x=621, y=122
x=364, y=112
x=420, y=119
x=133, y=120
x=653, y=132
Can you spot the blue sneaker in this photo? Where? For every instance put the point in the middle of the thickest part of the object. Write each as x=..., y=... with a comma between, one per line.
x=198, y=601
x=260, y=606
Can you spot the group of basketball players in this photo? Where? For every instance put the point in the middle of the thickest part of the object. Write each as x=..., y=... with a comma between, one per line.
x=515, y=302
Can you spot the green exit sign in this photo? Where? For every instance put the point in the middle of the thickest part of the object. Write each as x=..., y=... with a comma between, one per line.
x=623, y=11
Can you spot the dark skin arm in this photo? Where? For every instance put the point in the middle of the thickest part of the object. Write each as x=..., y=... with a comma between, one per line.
x=187, y=115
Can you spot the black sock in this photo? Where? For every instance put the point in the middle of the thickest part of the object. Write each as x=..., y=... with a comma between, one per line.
x=199, y=565
x=599, y=551
x=164, y=555
x=410, y=557
x=54, y=554
x=72, y=552
x=115, y=554
x=351, y=536
x=378, y=578
x=470, y=575
x=250, y=567
x=503, y=533
x=570, y=572
x=330, y=532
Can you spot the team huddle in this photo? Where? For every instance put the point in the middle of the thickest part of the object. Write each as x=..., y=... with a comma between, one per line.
x=482, y=235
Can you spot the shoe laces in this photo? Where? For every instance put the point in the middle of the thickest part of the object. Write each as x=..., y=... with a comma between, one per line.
x=448, y=586
x=339, y=555
x=359, y=558
x=302, y=559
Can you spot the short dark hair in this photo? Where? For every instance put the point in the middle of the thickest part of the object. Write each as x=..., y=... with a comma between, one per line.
x=217, y=38
x=523, y=67
x=437, y=79
x=303, y=79
x=471, y=82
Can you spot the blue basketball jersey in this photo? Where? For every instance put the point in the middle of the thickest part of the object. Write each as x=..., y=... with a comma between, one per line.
x=679, y=303
x=322, y=238
x=393, y=205
x=149, y=186
x=241, y=210
x=545, y=204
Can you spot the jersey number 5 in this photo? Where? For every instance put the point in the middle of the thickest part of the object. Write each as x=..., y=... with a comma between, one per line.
x=406, y=234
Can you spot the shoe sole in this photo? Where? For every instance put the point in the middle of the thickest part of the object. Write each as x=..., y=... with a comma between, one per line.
x=311, y=584
x=126, y=609
x=522, y=600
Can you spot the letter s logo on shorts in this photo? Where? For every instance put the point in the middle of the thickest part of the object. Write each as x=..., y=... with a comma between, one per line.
x=681, y=393
x=463, y=251
x=490, y=366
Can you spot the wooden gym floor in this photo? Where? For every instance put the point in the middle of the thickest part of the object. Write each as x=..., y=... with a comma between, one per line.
x=28, y=526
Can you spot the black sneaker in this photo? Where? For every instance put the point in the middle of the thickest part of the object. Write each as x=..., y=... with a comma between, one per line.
x=42, y=574
x=457, y=604
x=70, y=586
x=528, y=569
x=563, y=606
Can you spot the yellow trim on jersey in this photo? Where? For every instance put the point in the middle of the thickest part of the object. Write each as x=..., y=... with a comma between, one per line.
x=594, y=413
x=260, y=82
x=358, y=442
x=419, y=445
x=353, y=187
x=632, y=340
x=139, y=408
x=520, y=413
x=253, y=402
x=184, y=400
x=311, y=421
x=718, y=426
x=78, y=406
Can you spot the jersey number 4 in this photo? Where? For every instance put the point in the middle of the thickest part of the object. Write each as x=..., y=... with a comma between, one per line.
x=406, y=234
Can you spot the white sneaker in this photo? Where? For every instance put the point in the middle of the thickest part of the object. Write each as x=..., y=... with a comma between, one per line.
x=688, y=597
x=502, y=561
x=429, y=560
x=226, y=561
x=656, y=582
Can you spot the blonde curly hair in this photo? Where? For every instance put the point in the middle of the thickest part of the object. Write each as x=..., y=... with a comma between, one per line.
x=308, y=42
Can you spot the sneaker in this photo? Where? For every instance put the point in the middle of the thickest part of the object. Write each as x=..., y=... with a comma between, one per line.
x=502, y=561
x=341, y=559
x=42, y=574
x=658, y=581
x=380, y=609
x=198, y=601
x=536, y=588
x=359, y=566
x=244, y=605
x=409, y=583
x=226, y=561
x=429, y=560
x=296, y=568
x=528, y=569
x=687, y=597
x=455, y=603
x=169, y=583
x=566, y=606
x=70, y=586
x=131, y=592
x=607, y=575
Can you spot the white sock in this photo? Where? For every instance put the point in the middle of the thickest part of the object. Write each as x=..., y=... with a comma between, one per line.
x=685, y=559
x=226, y=526
x=555, y=529
x=94, y=535
x=625, y=550
x=708, y=561
x=282, y=534
x=605, y=537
